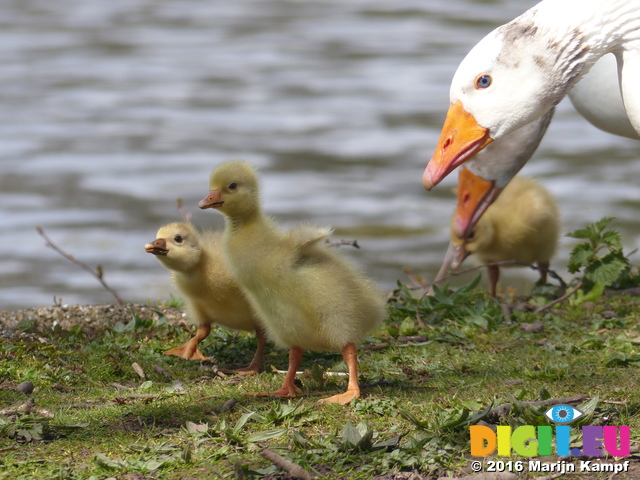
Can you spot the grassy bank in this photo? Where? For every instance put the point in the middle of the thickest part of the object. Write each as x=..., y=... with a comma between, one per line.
x=426, y=372
x=86, y=392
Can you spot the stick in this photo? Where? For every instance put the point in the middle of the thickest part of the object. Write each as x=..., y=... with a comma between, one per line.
x=98, y=273
x=141, y=395
x=186, y=216
x=560, y=299
x=296, y=471
x=27, y=408
x=329, y=374
x=550, y=272
x=349, y=243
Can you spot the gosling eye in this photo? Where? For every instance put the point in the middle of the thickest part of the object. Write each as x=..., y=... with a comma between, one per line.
x=471, y=235
x=178, y=238
x=483, y=81
x=232, y=186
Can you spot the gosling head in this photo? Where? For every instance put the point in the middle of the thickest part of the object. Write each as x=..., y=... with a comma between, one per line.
x=476, y=240
x=176, y=246
x=234, y=190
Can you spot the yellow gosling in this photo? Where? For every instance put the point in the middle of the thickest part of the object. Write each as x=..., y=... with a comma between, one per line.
x=522, y=225
x=305, y=293
x=212, y=295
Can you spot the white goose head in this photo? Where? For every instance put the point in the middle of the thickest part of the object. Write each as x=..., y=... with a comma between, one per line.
x=523, y=69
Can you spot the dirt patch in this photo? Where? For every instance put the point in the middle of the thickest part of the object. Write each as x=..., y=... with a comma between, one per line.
x=96, y=317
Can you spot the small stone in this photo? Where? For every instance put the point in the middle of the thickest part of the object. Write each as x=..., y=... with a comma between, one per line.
x=229, y=404
x=608, y=314
x=138, y=369
x=25, y=387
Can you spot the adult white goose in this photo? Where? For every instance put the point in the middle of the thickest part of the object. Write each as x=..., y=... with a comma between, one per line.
x=524, y=68
x=598, y=99
x=596, y=96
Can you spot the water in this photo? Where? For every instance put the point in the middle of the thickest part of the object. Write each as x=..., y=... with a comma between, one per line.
x=110, y=111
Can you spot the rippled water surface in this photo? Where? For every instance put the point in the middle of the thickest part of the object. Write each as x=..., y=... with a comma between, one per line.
x=110, y=111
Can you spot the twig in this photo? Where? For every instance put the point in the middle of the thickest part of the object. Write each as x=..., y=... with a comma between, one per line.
x=186, y=216
x=329, y=374
x=550, y=272
x=121, y=387
x=349, y=243
x=501, y=410
x=97, y=273
x=27, y=408
x=559, y=299
x=296, y=471
x=441, y=276
x=411, y=338
x=142, y=395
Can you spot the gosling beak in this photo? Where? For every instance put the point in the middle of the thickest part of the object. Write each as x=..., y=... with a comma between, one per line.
x=459, y=254
x=213, y=200
x=475, y=194
x=461, y=139
x=157, y=247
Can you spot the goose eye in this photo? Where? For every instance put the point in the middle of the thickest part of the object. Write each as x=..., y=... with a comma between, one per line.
x=483, y=81
x=232, y=186
x=178, y=238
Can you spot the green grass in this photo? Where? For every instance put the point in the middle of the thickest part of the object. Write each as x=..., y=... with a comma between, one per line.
x=418, y=398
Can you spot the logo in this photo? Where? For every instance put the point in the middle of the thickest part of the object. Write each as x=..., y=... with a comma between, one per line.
x=532, y=441
x=563, y=414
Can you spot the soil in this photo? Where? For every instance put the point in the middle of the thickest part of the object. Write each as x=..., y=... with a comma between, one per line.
x=92, y=317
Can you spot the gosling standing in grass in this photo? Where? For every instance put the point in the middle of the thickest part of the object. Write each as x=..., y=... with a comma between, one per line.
x=305, y=293
x=522, y=225
x=212, y=295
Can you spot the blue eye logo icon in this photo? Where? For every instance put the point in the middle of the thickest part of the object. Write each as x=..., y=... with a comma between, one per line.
x=563, y=414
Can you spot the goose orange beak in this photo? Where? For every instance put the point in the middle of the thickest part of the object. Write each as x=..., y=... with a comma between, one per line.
x=461, y=139
x=475, y=194
x=212, y=200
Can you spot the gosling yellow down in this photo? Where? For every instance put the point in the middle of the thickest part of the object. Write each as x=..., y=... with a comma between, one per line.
x=305, y=293
x=522, y=225
x=211, y=294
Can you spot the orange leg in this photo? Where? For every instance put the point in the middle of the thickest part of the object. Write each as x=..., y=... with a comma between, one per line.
x=350, y=355
x=288, y=388
x=256, y=363
x=190, y=350
x=493, y=272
